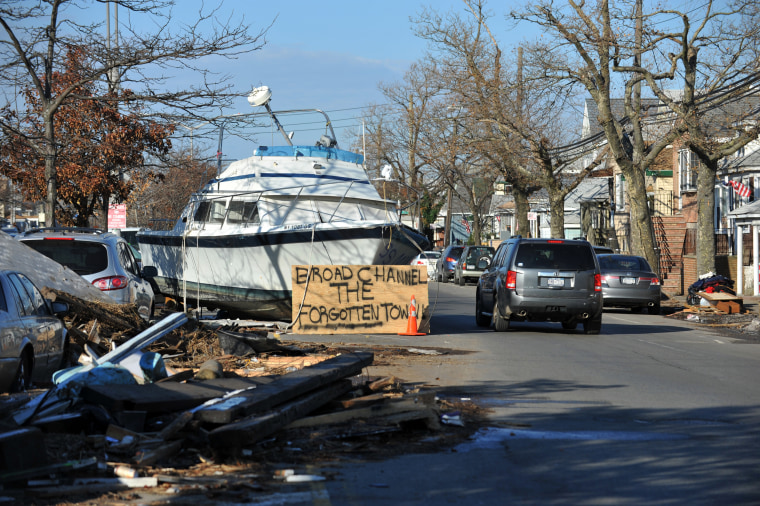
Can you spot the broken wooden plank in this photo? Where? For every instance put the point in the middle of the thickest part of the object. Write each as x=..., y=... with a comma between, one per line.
x=382, y=383
x=360, y=402
x=148, y=458
x=375, y=412
x=286, y=387
x=164, y=397
x=232, y=437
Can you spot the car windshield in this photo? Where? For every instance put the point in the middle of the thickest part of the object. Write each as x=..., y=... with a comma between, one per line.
x=625, y=263
x=82, y=257
x=430, y=255
x=564, y=255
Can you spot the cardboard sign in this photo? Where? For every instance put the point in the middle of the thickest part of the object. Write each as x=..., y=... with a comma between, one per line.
x=351, y=299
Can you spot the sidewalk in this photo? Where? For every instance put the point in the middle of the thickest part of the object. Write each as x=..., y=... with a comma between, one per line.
x=751, y=303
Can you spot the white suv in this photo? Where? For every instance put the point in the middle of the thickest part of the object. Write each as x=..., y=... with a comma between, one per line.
x=102, y=258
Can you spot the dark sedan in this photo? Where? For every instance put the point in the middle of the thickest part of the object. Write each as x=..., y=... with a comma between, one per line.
x=32, y=335
x=628, y=281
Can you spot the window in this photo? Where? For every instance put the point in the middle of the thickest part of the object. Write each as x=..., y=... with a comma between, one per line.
x=687, y=170
x=241, y=211
x=619, y=192
x=38, y=301
x=25, y=303
x=564, y=256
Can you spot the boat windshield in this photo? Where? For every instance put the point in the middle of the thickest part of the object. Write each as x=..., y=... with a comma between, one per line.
x=238, y=212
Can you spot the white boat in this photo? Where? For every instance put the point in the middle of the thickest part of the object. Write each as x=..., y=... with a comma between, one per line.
x=236, y=240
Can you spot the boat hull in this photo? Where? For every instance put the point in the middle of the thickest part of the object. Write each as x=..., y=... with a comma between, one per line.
x=249, y=274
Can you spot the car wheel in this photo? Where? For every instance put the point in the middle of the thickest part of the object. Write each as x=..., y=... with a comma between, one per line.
x=636, y=309
x=593, y=325
x=444, y=278
x=23, y=379
x=462, y=281
x=499, y=324
x=570, y=324
x=481, y=320
x=654, y=309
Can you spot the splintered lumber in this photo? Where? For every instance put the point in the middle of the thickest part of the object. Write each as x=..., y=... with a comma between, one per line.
x=229, y=438
x=410, y=407
x=112, y=314
x=286, y=387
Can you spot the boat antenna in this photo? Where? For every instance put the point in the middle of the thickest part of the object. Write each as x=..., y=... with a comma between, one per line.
x=261, y=96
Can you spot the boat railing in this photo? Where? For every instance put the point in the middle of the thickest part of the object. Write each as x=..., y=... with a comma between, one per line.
x=230, y=194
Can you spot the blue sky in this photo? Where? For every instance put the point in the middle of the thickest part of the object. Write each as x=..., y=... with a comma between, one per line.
x=330, y=55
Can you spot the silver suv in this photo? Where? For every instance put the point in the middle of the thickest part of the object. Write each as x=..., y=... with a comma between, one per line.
x=102, y=258
x=541, y=280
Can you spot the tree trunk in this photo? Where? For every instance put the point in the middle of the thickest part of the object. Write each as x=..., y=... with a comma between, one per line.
x=51, y=182
x=642, y=235
x=557, y=215
x=705, y=213
x=522, y=206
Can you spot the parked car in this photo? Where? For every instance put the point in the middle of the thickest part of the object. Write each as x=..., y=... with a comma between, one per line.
x=628, y=281
x=541, y=280
x=102, y=258
x=32, y=335
x=428, y=259
x=471, y=264
x=444, y=267
x=599, y=250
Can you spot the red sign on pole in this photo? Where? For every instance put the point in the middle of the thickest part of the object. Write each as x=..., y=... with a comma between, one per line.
x=117, y=216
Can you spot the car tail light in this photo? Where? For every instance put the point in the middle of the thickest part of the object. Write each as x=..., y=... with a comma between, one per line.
x=420, y=262
x=655, y=281
x=597, y=282
x=511, y=280
x=450, y=259
x=111, y=283
x=555, y=241
x=58, y=239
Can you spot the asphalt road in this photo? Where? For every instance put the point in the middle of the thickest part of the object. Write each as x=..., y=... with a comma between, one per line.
x=653, y=410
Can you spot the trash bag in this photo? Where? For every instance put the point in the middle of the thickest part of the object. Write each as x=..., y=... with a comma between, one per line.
x=712, y=284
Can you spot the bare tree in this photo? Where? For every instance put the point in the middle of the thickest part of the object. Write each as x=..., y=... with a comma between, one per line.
x=38, y=34
x=586, y=44
x=518, y=122
x=715, y=57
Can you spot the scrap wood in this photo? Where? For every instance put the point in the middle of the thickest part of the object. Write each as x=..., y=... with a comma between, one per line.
x=383, y=383
x=117, y=316
x=365, y=400
x=47, y=470
x=286, y=387
x=148, y=458
x=231, y=437
x=419, y=404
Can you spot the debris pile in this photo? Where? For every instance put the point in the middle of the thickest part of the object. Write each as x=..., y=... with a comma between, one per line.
x=179, y=406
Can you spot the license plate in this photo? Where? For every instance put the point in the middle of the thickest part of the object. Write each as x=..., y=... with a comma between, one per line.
x=555, y=281
x=470, y=267
x=627, y=281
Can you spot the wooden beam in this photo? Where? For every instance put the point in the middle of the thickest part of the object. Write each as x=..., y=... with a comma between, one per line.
x=230, y=438
x=286, y=387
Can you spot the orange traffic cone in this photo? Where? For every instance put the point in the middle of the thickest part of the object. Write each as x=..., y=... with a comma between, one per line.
x=411, y=326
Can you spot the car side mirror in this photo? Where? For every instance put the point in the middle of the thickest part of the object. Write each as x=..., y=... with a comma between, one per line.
x=149, y=271
x=60, y=309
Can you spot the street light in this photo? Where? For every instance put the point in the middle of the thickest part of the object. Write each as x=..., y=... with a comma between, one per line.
x=192, y=131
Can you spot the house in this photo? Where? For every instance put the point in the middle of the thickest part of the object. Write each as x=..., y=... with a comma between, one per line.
x=672, y=193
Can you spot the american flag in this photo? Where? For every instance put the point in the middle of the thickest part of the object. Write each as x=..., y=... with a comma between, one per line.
x=466, y=224
x=742, y=189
